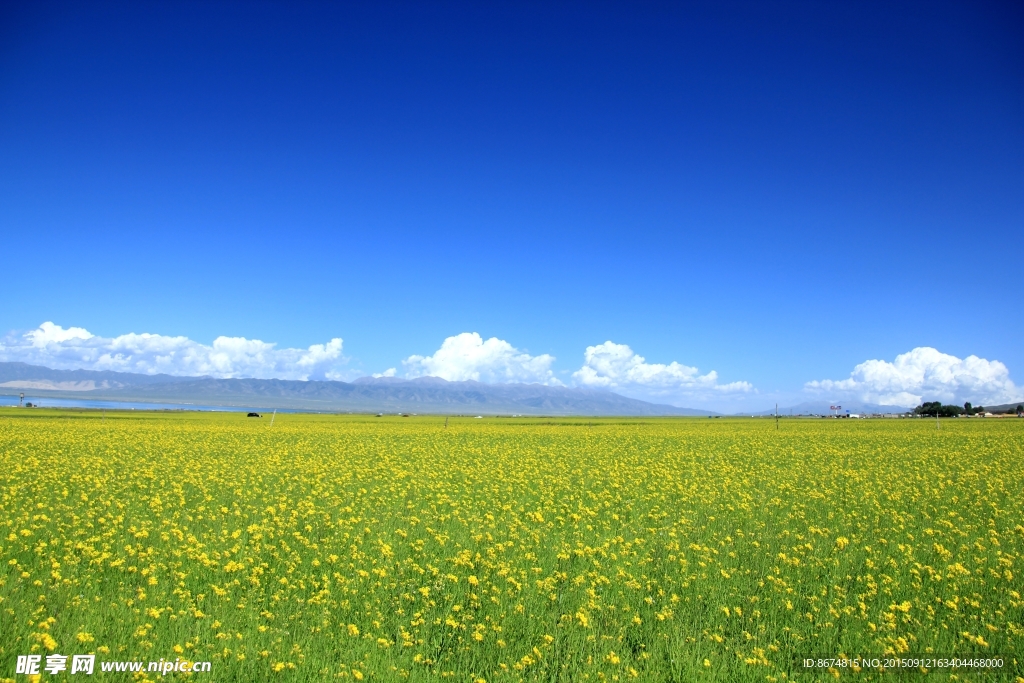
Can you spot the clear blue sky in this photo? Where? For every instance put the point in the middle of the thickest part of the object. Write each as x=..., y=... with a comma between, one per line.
x=774, y=191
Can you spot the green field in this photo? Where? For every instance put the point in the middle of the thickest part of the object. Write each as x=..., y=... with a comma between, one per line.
x=358, y=548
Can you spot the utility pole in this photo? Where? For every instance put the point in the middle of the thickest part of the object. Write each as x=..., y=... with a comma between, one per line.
x=272, y=417
x=776, y=417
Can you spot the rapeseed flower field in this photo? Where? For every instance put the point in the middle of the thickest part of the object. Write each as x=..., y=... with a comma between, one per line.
x=349, y=548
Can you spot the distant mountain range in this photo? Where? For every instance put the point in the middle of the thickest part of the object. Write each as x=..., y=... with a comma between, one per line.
x=824, y=408
x=37, y=377
x=369, y=394
x=1005, y=407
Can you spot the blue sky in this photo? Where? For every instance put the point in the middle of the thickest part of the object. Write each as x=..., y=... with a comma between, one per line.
x=773, y=192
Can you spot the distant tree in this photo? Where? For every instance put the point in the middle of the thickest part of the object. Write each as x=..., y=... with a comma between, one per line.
x=967, y=408
x=1020, y=410
x=935, y=408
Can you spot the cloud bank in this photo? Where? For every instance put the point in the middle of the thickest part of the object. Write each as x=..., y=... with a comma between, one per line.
x=69, y=348
x=925, y=374
x=618, y=367
x=468, y=356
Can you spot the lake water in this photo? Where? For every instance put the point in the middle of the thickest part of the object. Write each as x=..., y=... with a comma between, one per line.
x=118, y=405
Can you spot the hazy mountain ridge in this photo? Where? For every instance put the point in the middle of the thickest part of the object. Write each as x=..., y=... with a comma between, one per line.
x=1005, y=407
x=368, y=394
x=822, y=408
x=858, y=407
x=18, y=372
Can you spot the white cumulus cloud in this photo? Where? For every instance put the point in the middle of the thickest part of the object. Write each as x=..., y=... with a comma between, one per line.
x=925, y=374
x=468, y=356
x=617, y=367
x=69, y=348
